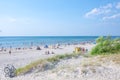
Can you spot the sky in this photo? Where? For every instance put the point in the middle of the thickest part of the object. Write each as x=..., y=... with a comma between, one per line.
x=59, y=17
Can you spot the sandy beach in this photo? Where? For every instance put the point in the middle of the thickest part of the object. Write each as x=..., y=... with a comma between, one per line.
x=59, y=40
x=80, y=68
x=20, y=58
x=73, y=69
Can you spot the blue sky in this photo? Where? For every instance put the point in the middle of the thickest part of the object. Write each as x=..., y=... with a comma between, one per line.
x=59, y=17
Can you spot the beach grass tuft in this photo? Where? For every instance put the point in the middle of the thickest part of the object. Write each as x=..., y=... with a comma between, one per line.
x=28, y=68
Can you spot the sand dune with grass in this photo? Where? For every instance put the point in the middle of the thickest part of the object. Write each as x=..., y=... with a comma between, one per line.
x=105, y=67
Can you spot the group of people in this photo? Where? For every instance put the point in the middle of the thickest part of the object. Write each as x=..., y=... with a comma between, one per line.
x=81, y=49
x=48, y=52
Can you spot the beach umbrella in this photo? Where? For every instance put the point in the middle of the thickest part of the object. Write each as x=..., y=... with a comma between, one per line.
x=46, y=46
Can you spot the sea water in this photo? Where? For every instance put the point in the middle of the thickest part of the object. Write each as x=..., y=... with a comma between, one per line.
x=27, y=41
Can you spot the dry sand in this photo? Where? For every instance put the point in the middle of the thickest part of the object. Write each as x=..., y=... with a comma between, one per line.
x=20, y=58
x=81, y=68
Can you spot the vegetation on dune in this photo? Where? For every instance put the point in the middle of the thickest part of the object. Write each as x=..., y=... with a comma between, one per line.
x=29, y=67
x=106, y=45
x=43, y=62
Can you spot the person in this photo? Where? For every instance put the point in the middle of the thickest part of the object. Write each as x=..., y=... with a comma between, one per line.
x=83, y=49
x=47, y=52
x=38, y=48
x=86, y=50
x=52, y=52
x=10, y=52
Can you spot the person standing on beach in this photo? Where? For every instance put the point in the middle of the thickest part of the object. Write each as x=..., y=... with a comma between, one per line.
x=10, y=52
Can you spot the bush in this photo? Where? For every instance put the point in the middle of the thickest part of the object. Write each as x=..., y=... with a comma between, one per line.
x=106, y=45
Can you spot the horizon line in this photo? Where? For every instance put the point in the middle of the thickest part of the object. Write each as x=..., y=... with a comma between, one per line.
x=60, y=36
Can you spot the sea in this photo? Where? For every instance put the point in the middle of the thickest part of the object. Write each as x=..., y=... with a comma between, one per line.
x=28, y=41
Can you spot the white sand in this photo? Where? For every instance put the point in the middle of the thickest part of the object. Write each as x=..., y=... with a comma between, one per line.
x=21, y=58
x=72, y=69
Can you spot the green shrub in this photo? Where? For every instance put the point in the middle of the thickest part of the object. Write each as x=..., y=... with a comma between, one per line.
x=106, y=45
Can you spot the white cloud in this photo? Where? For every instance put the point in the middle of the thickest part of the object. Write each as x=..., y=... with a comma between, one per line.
x=112, y=17
x=99, y=11
x=94, y=11
x=118, y=5
x=107, y=12
x=14, y=20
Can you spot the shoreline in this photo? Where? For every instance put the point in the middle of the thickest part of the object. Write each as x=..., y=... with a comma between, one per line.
x=52, y=46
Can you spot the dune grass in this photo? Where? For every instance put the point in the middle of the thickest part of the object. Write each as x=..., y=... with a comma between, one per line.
x=29, y=67
x=106, y=45
x=43, y=62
